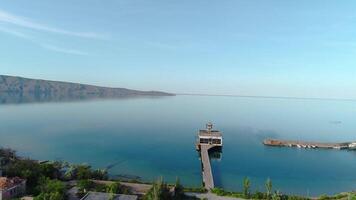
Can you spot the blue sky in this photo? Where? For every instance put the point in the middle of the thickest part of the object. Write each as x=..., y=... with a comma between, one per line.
x=248, y=47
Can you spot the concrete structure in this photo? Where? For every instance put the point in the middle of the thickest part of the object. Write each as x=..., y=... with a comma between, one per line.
x=107, y=196
x=352, y=146
x=208, y=139
x=312, y=145
x=210, y=136
x=11, y=187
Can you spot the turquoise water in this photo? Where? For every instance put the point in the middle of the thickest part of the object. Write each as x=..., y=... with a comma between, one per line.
x=153, y=137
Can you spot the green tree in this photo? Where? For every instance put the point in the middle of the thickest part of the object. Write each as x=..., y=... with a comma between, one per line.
x=113, y=188
x=246, y=185
x=84, y=185
x=276, y=196
x=178, y=190
x=99, y=174
x=83, y=172
x=49, y=170
x=159, y=191
x=112, y=196
x=27, y=169
x=7, y=155
x=351, y=196
x=50, y=189
x=268, y=188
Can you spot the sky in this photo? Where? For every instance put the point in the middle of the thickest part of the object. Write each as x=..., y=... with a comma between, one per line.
x=244, y=47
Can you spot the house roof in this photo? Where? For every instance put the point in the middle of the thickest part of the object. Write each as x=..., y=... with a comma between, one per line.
x=106, y=196
x=6, y=183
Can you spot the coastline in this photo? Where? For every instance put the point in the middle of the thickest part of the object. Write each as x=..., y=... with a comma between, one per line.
x=142, y=188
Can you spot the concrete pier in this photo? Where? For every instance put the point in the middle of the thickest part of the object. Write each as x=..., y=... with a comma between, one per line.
x=312, y=145
x=207, y=173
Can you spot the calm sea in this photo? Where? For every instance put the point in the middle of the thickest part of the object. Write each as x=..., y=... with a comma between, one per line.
x=153, y=137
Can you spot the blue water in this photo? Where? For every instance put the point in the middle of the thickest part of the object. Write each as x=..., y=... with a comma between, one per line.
x=153, y=137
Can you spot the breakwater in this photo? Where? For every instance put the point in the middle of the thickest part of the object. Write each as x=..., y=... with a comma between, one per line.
x=312, y=145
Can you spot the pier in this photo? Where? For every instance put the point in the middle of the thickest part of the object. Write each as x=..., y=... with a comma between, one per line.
x=311, y=145
x=208, y=139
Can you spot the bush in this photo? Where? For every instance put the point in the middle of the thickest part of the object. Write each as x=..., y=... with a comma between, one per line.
x=50, y=189
x=99, y=174
x=218, y=191
x=100, y=187
x=178, y=191
x=258, y=195
x=324, y=197
x=113, y=188
x=351, y=196
x=29, y=170
x=195, y=190
x=84, y=186
x=159, y=191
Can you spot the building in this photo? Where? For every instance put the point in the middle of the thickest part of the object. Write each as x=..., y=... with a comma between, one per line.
x=11, y=187
x=210, y=136
x=352, y=146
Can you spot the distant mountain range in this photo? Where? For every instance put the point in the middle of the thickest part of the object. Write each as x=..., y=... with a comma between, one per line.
x=21, y=90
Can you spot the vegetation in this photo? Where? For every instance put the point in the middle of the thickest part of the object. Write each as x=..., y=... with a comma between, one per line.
x=43, y=177
x=178, y=191
x=159, y=191
x=50, y=189
x=222, y=192
x=86, y=185
x=45, y=182
x=6, y=156
x=351, y=196
x=195, y=190
x=268, y=188
x=343, y=196
x=81, y=172
x=246, y=194
x=276, y=195
x=257, y=195
x=246, y=184
x=32, y=171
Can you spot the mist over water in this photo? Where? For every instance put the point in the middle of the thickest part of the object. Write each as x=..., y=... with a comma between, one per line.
x=150, y=138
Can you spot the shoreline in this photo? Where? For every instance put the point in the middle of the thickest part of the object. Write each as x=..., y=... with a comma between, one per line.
x=145, y=184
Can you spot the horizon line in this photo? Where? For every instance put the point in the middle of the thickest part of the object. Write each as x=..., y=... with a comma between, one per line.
x=267, y=97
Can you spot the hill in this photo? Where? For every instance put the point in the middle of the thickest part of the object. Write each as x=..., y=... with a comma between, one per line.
x=18, y=89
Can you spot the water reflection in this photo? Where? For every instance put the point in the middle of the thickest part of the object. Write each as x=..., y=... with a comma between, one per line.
x=19, y=97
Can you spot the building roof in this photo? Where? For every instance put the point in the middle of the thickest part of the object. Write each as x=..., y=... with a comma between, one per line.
x=210, y=133
x=106, y=196
x=6, y=183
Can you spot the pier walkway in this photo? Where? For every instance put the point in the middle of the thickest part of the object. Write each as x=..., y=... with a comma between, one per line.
x=207, y=173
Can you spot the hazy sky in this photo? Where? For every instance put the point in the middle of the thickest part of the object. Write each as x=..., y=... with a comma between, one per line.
x=250, y=47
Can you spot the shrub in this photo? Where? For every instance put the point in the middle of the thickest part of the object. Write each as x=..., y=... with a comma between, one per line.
x=159, y=191
x=84, y=185
x=51, y=189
